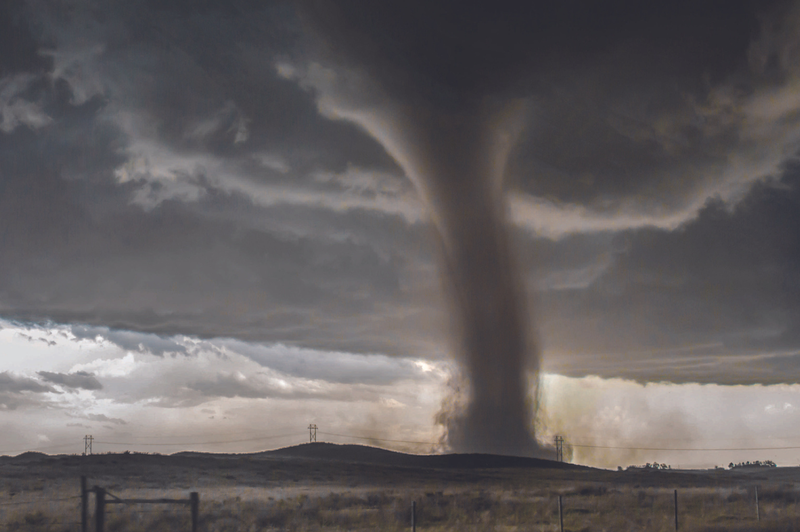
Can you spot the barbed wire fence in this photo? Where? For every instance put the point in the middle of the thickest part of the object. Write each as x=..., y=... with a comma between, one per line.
x=36, y=517
x=574, y=505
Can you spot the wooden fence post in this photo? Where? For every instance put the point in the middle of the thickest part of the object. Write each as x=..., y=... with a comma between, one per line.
x=194, y=497
x=413, y=516
x=758, y=511
x=84, y=505
x=100, y=508
x=560, y=515
x=676, y=509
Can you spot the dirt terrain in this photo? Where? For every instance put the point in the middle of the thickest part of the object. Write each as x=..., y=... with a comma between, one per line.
x=322, y=486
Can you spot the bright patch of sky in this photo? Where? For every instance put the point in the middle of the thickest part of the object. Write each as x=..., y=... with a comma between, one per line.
x=232, y=396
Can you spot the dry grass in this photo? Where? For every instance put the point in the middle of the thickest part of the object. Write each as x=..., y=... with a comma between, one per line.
x=587, y=507
x=252, y=496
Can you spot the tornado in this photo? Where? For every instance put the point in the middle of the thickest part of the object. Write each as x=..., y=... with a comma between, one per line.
x=438, y=83
x=452, y=137
x=457, y=162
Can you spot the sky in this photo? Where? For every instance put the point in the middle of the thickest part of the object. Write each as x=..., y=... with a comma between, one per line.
x=207, y=242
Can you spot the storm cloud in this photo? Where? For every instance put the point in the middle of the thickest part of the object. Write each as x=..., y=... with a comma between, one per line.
x=78, y=380
x=173, y=169
x=18, y=391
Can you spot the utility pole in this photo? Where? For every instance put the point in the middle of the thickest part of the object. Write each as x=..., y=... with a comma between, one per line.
x=559, y=448
x=99, y=508
x=312, y=432
x=84, y=505
x=87, y=444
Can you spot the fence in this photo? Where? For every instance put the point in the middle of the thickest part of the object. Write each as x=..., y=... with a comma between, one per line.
x=33, y=519
x=562, y=510
x=101, y=501
x=421, y=515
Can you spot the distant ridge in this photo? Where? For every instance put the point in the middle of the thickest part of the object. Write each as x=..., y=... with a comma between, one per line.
x=350, y=453
x=28, y=455
x=374, y=455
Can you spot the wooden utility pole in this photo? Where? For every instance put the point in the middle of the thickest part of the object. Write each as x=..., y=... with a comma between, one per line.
x=676, y=509
x=758, y=510
x=194, y=499
x=84, y=505
x=100, y=508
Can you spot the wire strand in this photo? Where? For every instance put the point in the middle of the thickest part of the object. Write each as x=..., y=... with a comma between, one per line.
x=374, y=439
x=704, y=449
x=39, y=501
x=201, y=443
x=367, y=438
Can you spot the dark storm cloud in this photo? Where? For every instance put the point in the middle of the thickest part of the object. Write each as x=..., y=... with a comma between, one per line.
x=17, y=391
x=341, y=368
x=78, y=380
x=10, y=383
x=715, y=301
x=129, y=340
x=264, y=387
x=644, y=134
x=18, y=46
x=469, y=50
x=181, y=185
x=626, y=95
x=165, y=169
x=328, y=366
x=638, y=112
x=32, y=339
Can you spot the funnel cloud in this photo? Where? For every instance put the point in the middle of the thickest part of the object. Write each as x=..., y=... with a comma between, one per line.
x=457, y=162
x=454, y=147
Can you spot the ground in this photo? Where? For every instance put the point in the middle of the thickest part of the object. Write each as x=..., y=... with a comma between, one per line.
x=336, y=487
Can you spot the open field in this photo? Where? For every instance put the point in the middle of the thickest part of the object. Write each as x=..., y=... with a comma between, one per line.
x=327, y=487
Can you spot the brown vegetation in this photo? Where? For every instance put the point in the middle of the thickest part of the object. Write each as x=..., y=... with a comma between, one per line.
x=295, y=489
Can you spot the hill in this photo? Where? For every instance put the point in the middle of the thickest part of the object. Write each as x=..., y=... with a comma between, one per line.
x=373, y=455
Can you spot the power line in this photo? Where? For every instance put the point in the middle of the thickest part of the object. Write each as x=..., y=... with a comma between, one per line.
x=200, y=434
x=598, y=446
x=793, y=437
x=367, y=438
x=376, y=439
x=296, y=434
x=686, y=448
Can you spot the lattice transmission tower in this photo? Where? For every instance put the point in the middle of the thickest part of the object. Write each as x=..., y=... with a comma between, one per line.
x=87, y=444
x=559, y=448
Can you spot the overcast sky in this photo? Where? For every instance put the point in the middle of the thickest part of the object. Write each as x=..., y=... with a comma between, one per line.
x=199, y=244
